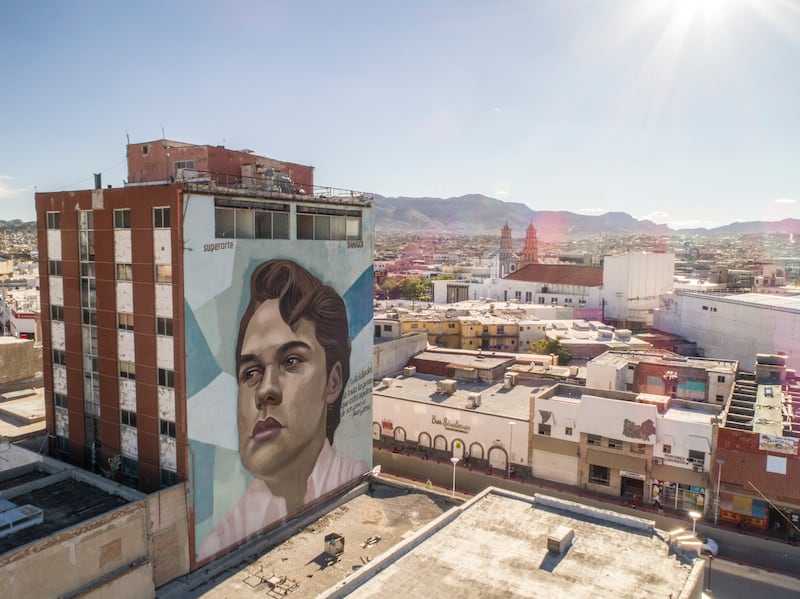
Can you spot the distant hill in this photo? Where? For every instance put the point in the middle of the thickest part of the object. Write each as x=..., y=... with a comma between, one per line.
x=477, y=214
x=18, y=225
x=787, y=225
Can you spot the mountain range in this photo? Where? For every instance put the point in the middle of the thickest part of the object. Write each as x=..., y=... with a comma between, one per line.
x=477, y=214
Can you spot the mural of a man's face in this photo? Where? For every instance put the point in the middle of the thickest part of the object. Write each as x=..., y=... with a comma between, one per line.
x=283, y=394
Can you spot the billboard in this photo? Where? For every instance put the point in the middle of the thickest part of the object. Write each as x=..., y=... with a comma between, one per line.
x=278, y=373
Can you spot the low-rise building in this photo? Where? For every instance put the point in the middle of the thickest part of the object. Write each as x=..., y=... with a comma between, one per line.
x=622, y=444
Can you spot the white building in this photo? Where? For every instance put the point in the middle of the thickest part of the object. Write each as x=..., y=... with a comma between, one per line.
x=626, y=289
x=735, y=326
x=623, y=444
x=632, y=285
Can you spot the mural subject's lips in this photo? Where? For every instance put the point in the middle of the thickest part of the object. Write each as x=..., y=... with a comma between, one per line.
x=266, y=430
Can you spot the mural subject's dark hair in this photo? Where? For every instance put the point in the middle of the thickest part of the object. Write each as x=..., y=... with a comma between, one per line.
x=302, y=295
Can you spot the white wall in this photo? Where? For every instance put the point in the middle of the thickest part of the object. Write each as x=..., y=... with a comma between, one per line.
x=729, y=329
x=633, y=283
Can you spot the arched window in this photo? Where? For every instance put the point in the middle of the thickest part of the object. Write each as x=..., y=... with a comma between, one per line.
x=476, y=451
x=440, y=443
x=424, y=440
x=498, y=457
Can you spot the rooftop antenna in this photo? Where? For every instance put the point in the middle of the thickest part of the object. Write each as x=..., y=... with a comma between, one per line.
x=163, y=135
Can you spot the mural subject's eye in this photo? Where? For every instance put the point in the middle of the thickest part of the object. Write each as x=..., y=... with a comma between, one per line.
x=250, y=375
x=290, y=363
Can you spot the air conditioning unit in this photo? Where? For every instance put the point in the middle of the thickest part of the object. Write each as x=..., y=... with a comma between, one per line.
x=387, y=382
x=409, y=371
x=474, y=399
x=658, y=461
x=697, y=468
x=446, y=386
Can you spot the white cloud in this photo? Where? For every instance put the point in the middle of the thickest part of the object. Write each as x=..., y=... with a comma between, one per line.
x=6, y=189
x=785, y=201
x=657, y=215
x=591, y=210
x=501, y=192
x=496, y=109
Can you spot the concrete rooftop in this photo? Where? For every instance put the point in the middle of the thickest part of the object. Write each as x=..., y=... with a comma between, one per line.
x=495, y=400
x=495, y=545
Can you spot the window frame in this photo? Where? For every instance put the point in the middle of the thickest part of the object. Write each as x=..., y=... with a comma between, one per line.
x=125, y=321
x=166, y=378
x=56, y=312
x=596, y=475
x=127, y=370
x=54, y=268
x=161, y=217
x=127, y=418
x=164, y=326
x=166, y=428
x=160, y=275
x=123, y=271
x=122, y=218
x=545, y=429
x=53, y=220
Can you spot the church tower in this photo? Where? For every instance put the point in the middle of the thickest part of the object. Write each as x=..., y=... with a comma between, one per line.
x=506, y=252
x=530, y=253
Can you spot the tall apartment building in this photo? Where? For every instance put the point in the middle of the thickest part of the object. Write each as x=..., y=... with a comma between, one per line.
x=142, y=291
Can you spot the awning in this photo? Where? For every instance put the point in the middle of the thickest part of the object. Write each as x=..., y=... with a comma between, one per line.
x=683, y=476
x=553, y=445
x=613, y=460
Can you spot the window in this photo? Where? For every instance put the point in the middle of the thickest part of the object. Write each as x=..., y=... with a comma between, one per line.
x=720, y=398
x=127, y=370
x=721, y=378
x=130, y=470
x=166, y=378
x=54, y=268
x=167, y=428
x=167, y=477
x=161, y=218
x=179, y=164
x=125, y=321
x=697, y=458
x=544, y=429
x=666, y=448
x=451, y=325
x=53, y=220
x=56, y=312
x=122, y=218
x=637, y=447
x=518, y=295
x=614, y=444
x=414, y=325
x=60, y=400
x=568, y=431
x=598, y=475
x=59, y=357
x=145, y=150
x=328, y=223
x=247, y=219
x=62, y=445
x=127, y=418
x=594, y=440
x=87, y=269
x=528, y=297
x=164, y=327
x=387, y=327
x=89, y=316
x=163, y=273
x=124, y=272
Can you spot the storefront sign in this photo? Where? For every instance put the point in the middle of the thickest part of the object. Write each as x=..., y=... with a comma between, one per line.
x=787, y=445
x=675, y=459
x=387, y=425
x=635, y=475
x=451, y=425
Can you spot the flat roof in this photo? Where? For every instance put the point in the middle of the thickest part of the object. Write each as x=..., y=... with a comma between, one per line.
x=495, y=399
x=371, y=523
x=496, y=545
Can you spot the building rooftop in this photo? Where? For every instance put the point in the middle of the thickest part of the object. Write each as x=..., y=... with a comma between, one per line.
x=495, y=398
x=566, y=274
x=496, y=545
x=621, y=357
x=371, y=523
x=66, y=495
x=22, y=413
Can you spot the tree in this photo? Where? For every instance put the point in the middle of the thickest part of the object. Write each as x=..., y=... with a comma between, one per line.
x=548, y=346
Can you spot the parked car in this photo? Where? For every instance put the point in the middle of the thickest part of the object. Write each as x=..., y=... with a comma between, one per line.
x=709, y=546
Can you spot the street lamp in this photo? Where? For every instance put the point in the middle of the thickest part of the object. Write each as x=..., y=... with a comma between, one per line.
x=694, y=516
x=511, y=424
x=454, y=459
x=720, y=462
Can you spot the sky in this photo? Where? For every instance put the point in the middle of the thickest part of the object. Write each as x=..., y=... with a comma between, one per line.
x=684, y=112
